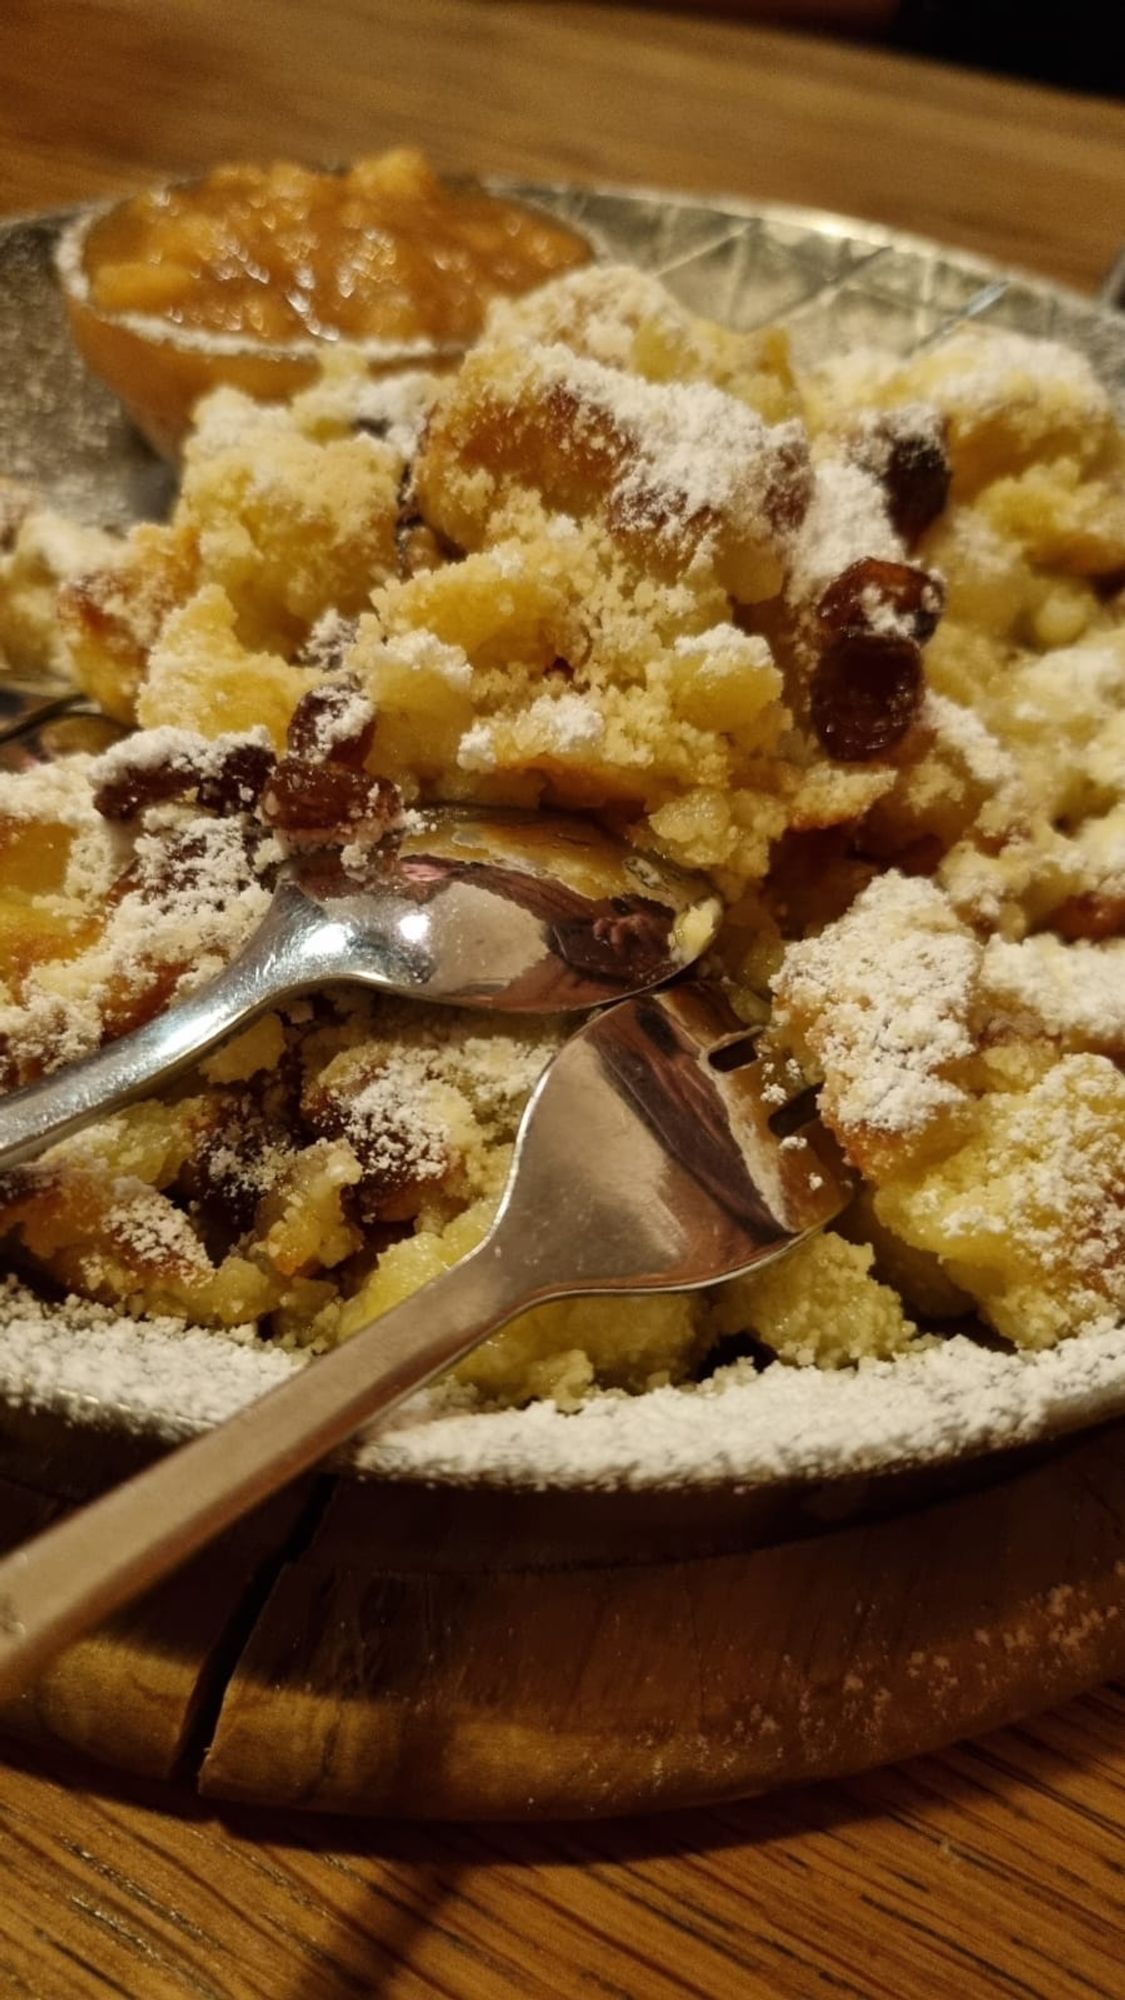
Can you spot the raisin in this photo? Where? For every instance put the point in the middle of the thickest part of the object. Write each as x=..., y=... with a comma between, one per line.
x=621, y=935
x=382, y=1196
x=238, y=780
x=223, y=1182
x=1091, y=917
x=305, y=796
x=865, y=694
x=390, y=1189
x=891, y=599
x=225, y=778
x=132, y=788
x=223, y=1189
x=907, y=453
x=131, y=1000
x=418, y=546
x=334, y=721
x=917, y=480
x=184, y=860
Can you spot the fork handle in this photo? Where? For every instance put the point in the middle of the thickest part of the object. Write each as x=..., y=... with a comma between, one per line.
x=79, y=1572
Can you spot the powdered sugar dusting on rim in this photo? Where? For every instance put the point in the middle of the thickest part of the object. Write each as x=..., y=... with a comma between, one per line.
x=159, y=1377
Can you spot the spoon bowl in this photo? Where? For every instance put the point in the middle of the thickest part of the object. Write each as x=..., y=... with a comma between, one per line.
x=518, y=913
x=506, y=912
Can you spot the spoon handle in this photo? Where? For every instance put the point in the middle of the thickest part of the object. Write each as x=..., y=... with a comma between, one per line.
x=26, y=704
x=84, y=1569
x=268, y=969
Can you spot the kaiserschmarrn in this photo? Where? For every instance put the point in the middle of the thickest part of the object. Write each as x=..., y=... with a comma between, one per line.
x=850, y=641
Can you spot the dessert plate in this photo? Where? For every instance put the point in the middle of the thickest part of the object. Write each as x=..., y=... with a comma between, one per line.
x=836, y=284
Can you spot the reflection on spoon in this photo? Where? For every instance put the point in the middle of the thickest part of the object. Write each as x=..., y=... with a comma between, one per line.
x=511, y=913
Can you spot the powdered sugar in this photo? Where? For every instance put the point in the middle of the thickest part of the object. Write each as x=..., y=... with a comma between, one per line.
x=328, y=642
x=889, y=986
x=391, y=409
x=723, y=644
x=788, y=1424
x=398, y=1131
x=985, y=759
x=58, y=792
x=986, y=368
x=1077, y=687
x=889, y=620
x=153, y=1233
x=553, y=725
x=63, y=548
x=846, y=520
x=81, y=1361
x=877, y=434
x=424, y=653
x=348, y=717
x=86, y=1359
x=1041, y=1212
x=183, y=749
x=498, y=1071
x=190, y=912
x=1075, y=992
x=225, y=418
x=693, y=452
x=569, y=724
x=596, y=311
x=477, y=749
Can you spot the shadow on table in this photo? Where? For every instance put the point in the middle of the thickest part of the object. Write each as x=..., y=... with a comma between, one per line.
x=323, y=1907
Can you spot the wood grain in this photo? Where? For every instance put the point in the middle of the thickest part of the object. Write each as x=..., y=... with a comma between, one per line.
x=133, y=1693
x=500, y=1673
x=991, y=1873
x=107, y=96
x=992, y=1870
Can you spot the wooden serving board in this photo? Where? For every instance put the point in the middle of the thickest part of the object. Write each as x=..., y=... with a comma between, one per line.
x=433, y=1653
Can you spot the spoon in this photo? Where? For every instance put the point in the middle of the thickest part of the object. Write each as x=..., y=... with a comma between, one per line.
x=518, y=913
x=644, y=1163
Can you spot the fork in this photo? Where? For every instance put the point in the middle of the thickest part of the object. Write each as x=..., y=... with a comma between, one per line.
x=647, y=1160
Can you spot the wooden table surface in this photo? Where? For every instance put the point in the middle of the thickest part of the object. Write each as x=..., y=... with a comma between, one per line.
x=995, y=1869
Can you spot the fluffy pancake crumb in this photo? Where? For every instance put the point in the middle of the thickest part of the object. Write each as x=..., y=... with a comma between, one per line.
x=630, y=564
